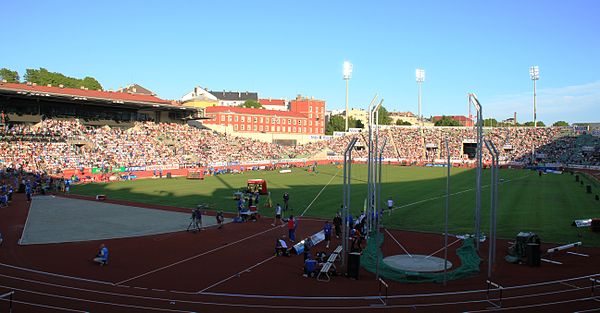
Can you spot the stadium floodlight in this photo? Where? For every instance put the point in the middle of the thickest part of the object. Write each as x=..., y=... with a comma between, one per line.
x=534, y=74
x=420, y=75
x=347, y=76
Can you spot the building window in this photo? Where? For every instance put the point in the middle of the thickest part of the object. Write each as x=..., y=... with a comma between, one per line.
x=310, y=109
x=243, y=118
x=294, y=123
x=278, y=128
x=289, y=121
x=260, y=128
x=310, y=123
x=255, y=120
x=235, y=127
x=304, y=130
x=254, y=127
x=261, y=120
x=222, y=118
x=272, y=120
x=288, y=129
x=243, y=127
x=229, y=118
x=267, y=128
x=309, y=115
x=294, y=129
x=235, y=118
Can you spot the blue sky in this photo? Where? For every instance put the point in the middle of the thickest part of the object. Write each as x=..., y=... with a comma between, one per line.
x=284, y=48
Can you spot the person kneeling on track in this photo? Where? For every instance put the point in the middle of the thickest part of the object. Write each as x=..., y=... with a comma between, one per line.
x=102, y=256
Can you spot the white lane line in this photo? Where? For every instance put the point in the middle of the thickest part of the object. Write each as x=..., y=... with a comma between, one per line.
x=56, y=275
x=442, y=248
x=390, y=234
x=237, y=274
x=310, y=204
x=195, y=256
x=452, y=194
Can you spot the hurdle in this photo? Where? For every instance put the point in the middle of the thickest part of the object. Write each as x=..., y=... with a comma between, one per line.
x=10, y=299
x=496, y=287
x=383, y=284
x=564, y=247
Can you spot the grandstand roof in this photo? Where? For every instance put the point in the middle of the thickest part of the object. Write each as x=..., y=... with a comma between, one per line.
x=82, y=94
x=234, y=95
x=217, y=109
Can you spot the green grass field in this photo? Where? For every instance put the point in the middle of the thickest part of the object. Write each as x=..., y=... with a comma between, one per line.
x=545, y=205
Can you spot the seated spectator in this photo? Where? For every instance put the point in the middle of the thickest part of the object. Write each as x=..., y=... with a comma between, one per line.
x=281, y=248
x=310, y=267
x=102, y=256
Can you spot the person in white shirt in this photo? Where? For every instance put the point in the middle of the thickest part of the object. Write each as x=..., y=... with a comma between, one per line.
x=277, y=215
x=390, y=204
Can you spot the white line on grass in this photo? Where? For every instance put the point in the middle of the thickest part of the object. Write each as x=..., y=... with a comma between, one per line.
x=195, y=256
x=308, y=207
x=238, y=273
x=387, y=231
x=452, y=194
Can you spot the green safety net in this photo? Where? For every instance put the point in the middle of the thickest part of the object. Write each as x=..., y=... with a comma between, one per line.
x=467, y=253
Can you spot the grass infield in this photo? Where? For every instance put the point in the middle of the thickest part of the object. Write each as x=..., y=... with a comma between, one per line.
x=546, y=205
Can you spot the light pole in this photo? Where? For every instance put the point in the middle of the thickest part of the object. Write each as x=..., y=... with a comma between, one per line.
x=420, y=75
x=534, y=73
x=347, y=76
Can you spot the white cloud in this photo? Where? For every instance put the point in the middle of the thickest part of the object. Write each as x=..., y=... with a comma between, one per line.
x=580, y=103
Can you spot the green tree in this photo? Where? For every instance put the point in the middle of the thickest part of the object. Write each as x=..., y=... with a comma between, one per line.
x=402, y=122
x=44, y=77
x=384, y=116
x=531, y=124
x=336, y=123
x=490, y=122
x=447, y=121
x=560, y=123
x=357, y=123
x=9, y=76
x=91, y=83
x=251, y=104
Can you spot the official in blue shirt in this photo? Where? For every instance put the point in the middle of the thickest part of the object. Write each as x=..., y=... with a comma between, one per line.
x=102, y=256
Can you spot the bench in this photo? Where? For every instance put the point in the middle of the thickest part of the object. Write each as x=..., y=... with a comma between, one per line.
x=324, y=273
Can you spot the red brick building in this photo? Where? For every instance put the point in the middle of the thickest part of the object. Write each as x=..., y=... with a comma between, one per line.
x=305, y=117
x=463, y=120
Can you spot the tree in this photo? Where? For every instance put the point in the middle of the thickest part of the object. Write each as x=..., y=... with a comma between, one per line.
x=9, y=76
x=44, y=77
x=336, y=123
x=447, y=121
x=402, y=122
x=560, y=123
x=491, y=122
x=384, y=117
x=531, y=124
x=251, y=104
x=357, y=123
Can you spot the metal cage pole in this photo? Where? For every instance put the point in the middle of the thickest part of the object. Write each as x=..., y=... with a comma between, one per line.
x=446, y=212
x=493, y=205
x=496, y=174
x=478, y=107
x=379, y=213
x=346, y=196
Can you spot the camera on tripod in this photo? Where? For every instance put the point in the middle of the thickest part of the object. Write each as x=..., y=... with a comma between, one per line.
x=196, y=223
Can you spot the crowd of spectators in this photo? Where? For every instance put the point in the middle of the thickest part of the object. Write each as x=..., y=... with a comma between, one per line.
x=53, y=145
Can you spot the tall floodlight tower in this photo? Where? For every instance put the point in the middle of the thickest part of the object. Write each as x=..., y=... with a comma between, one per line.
x=534, y=73
x=420, y=75
x=347, y=76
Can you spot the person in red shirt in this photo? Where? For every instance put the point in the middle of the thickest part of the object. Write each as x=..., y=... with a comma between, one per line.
x=292, y=224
